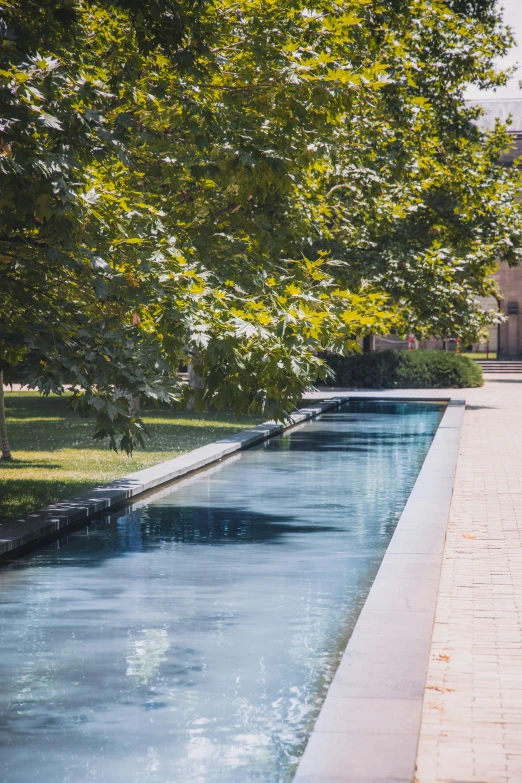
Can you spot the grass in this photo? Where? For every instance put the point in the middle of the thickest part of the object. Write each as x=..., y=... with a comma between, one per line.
x=54, y=455
x=477, y=355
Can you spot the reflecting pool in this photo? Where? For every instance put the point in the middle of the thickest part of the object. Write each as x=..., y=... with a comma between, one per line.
x=191, y=637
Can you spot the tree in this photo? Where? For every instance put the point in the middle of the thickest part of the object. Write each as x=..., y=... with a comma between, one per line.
x=241, y=184
x=344, y=131
x=96, y=291
x=65, y=311
x=432, y=213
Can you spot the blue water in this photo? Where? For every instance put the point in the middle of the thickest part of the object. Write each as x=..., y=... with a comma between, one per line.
x=191, y=638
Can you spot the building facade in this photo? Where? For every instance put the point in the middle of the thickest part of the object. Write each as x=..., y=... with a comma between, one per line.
x=506, y=338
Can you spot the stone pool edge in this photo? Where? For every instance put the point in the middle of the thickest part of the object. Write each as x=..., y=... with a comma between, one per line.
x=368, y=728
x=33, y=529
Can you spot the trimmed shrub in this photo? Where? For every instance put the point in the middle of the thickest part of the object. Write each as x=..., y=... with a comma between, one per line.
x=405, y=370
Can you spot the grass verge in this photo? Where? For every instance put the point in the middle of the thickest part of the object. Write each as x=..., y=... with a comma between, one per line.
x=491, y=356
x=54, y=455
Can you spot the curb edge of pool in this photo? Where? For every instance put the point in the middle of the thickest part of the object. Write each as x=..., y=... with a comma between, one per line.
x=36, y=529
x=369, y=725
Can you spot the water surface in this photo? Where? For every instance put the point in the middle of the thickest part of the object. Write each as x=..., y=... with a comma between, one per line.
x=191, y=638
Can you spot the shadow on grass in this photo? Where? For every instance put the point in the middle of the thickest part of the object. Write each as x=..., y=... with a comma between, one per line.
x=30, y=436
x=23, y=496
x=22, y=405
x=46, y=424
x=16, y=464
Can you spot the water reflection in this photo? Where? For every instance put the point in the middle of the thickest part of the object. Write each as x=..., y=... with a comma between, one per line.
x=146, y=653
x=191, y=640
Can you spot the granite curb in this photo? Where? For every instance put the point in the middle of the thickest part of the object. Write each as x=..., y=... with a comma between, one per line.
x=368, y=728
x=41, y=525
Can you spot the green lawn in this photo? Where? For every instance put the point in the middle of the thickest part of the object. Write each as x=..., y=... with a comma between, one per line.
x=54, y=455
x=477, y=355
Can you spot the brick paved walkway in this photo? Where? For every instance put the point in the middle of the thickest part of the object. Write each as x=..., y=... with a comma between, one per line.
x=472, y=716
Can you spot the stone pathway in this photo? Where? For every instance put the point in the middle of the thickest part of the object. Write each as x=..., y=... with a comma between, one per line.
x=472, y=715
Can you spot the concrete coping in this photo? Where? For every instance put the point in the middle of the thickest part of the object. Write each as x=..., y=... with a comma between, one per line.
x=368, y=727
x=41, y=526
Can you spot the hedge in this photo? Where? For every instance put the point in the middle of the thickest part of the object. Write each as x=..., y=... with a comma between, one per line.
x=405, y=370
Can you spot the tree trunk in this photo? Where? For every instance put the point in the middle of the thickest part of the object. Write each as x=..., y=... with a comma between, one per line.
x=368, y=343
x=6, y=451
x=134, y=402
x=195, y=382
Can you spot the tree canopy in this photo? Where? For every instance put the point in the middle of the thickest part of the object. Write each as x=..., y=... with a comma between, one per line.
x=244, y=184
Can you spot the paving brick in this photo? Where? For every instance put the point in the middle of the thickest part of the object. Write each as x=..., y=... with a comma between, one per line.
x=478, y=621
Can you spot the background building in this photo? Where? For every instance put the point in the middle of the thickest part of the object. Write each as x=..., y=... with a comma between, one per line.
x=506, y=338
